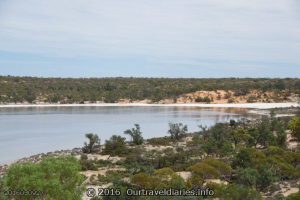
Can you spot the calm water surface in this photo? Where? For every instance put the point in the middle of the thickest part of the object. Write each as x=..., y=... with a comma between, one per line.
x=28, y=131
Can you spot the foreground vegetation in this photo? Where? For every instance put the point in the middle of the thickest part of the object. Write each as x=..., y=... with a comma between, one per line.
x=52, y=178
x=238, y=160
x=109, y=90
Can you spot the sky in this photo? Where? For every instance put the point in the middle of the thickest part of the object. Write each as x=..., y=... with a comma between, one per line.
x=157, y=38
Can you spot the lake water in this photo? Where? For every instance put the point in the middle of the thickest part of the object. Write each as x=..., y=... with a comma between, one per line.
x=29, y=131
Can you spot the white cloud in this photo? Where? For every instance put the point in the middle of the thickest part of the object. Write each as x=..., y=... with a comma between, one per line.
x=162, y=31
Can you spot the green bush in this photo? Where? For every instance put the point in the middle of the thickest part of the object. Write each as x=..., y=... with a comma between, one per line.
x=236, y=192
x=208, y=169
x=294, y=125
x=115, y=146
x=203, y=100
x=87, y=164
x=162, y=141
x=295, y=196
x=57, y=178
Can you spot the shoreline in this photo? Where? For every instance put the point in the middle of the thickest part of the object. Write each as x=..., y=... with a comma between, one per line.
x=197, y=105
x=260, y=108
x=38, y=156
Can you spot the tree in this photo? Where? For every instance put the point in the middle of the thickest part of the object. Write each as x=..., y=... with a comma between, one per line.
x=93, y=145
x=249, y=158
x=294, y=125
x=278, y=128
x=266, y=176
x=115, y=145
x=262, y=134
x=135, y=134
x=280, y=135
x=177, y=130
x=115, y=89
x=29, y=96
x=266, y=136
x=284, y=163
x=217, y=139
x=56, y=178
x=239, y=135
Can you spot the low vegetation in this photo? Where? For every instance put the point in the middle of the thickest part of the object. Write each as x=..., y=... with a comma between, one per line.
x=110, y=90
x=52, y=178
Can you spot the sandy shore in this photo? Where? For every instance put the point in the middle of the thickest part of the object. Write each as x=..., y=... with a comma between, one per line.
x=243, y=105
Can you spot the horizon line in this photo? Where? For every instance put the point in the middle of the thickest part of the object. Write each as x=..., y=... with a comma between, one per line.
x=145, y=77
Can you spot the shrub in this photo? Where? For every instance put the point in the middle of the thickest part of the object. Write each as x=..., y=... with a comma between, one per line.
x=162, y=178
x=295, y=196
x=57, y=178
x=145, y=181
x=208, y=169
x=177, y=130
x=294, y=125
x=162, y=141
x=252, y=99
x=230, y=100
x=241, y=92
x=115, y=146
x=237, y=192
x=203, y=99
x=87, y=164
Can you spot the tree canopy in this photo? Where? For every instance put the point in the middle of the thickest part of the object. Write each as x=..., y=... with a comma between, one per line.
x=109, y=90
x=135, y=134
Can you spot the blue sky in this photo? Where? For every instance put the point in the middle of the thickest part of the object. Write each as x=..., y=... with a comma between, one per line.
x=157, y=38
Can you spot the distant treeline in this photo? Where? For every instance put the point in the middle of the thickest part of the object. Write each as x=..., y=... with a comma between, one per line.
x=78, y=90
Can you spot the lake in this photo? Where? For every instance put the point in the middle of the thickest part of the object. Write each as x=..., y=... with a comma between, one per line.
x=29, y=131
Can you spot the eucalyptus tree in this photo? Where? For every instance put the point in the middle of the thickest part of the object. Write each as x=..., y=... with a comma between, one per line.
x=93, y=145
x=135, y=134
x=177, y=130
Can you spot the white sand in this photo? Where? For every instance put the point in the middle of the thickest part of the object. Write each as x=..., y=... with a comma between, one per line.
x=185, y=175
x=242, y=105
